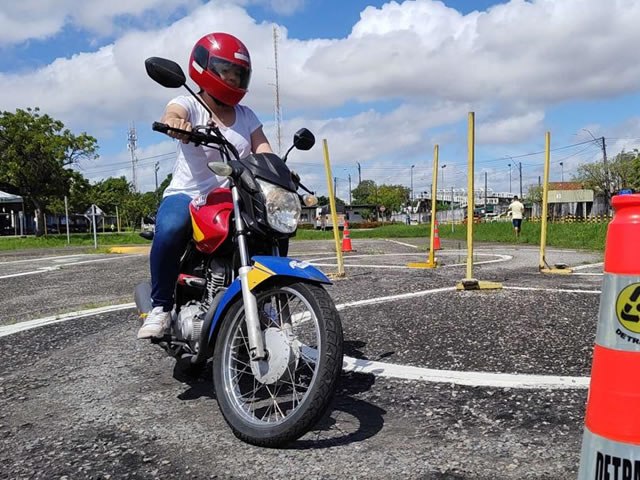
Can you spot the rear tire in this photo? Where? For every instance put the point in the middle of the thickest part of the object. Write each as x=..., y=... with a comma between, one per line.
x=303, y=319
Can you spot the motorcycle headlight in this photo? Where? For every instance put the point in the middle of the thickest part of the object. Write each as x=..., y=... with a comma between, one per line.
x=283, y=207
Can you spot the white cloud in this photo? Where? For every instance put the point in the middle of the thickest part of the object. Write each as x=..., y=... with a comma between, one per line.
x=39, y=19
x=510, y=64
x=524, y=52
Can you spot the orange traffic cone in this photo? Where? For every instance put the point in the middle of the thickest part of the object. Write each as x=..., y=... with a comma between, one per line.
x=346, y=240
x=611, y=437
x=436, y=237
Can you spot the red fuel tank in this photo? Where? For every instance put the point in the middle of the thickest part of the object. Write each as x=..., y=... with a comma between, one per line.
x=211, y=220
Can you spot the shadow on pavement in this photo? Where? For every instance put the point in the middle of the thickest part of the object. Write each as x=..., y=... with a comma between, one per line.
x=348, y=419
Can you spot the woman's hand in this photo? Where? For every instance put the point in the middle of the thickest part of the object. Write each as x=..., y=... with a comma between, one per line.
x=176, y=117
x=180, y=123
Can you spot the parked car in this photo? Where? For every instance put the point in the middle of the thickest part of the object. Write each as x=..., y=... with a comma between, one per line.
x=502, y=217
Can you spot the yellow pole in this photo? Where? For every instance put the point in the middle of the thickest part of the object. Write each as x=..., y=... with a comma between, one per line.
x=431, y=262
x=470, y=191
x=545, y=190
x=434, y=190
x=470, y=283
x=332, y=204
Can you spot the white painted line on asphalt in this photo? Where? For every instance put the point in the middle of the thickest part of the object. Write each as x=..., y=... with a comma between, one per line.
x=589, y=273
x=590, y=265
x=116, y=257
x=499, y=380
x=563, y=290
x=360, y=265
x=391, y=298
x=501, y=258
x=41, y=322
x=401, y=243
x=475, y=379
x=41, y=270
x=34, y=259
x=60, y=266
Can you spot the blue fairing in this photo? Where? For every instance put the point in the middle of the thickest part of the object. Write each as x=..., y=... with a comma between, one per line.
x=280, y=266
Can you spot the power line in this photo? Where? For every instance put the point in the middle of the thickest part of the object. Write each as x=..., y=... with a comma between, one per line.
x=140, y=161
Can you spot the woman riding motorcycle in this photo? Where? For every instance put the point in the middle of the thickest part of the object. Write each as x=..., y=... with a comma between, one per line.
x=221, y=66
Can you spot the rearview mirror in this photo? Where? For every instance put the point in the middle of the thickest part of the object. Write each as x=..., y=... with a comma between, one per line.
x=304, y=139
x=166, y=72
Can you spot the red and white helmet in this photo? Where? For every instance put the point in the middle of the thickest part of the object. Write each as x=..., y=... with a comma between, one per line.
x=215, y=54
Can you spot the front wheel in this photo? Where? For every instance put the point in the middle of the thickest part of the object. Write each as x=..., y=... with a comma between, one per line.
x=281, y=398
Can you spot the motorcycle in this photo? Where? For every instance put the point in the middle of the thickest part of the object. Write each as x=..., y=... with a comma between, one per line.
x=270, y=328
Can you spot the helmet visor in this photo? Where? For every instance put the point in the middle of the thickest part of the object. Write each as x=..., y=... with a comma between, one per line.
x=233, y=74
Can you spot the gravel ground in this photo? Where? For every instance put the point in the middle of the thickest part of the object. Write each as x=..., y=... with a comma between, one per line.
x=84, y=399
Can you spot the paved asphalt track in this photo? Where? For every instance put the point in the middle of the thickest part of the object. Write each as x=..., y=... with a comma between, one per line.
x=84, y=399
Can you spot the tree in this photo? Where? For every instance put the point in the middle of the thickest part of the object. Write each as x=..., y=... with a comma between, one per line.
x=322, y=200
x=623, y=172
x=365, y=193
x=393, y=197
x=110, y=193
x=534, y=194
x=163, y=186
x=78, y=197
x=34, y=150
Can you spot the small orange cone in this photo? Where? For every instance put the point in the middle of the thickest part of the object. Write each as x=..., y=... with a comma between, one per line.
x=436, y=237
x=346, y=240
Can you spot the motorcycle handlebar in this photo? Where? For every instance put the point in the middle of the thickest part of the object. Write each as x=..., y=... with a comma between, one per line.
x=194, y=136
x=199, y=137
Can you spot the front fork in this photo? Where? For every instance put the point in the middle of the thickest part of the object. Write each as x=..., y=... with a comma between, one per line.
x=252, y=318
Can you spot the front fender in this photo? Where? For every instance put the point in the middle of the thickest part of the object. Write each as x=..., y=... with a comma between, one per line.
x=264, y=268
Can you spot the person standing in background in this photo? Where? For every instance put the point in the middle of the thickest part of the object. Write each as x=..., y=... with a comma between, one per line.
x=517, y=210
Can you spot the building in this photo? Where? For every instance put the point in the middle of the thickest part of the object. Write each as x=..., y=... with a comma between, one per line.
x=11, y=214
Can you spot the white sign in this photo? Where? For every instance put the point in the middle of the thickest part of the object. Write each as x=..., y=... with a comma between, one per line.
x=90, y=211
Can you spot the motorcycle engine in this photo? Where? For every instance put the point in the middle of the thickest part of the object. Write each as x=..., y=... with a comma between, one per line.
x=189, y=322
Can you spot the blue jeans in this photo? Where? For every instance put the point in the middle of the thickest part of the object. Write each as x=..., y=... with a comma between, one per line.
x=173, y=230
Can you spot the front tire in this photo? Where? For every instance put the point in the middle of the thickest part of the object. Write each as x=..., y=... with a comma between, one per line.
x=303, y=335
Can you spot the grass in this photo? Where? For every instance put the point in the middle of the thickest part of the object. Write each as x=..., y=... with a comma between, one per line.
x=586, y=236
x=76, y=240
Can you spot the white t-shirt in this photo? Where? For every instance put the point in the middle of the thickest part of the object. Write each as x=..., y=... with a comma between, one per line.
x=190, y=172
x=517, y=209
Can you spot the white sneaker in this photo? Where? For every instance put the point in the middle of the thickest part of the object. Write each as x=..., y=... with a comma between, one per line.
x=155, y=324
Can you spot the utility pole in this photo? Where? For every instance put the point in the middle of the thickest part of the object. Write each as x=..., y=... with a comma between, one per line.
x=335, y=187
x=359, y=174
x=520, y=166
x=132, y=145
x=606, y=174
x=349, y=189
x=278, y=110
x=485, y=193
x=451, y=209
x=509, y=178
x=604, y=166
x=157, y=167
x=412, y=167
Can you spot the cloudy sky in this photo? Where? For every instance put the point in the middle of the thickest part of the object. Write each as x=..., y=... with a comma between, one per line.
x=383, y=82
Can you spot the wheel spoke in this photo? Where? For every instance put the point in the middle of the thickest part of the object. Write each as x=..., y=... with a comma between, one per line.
x=261, y=403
